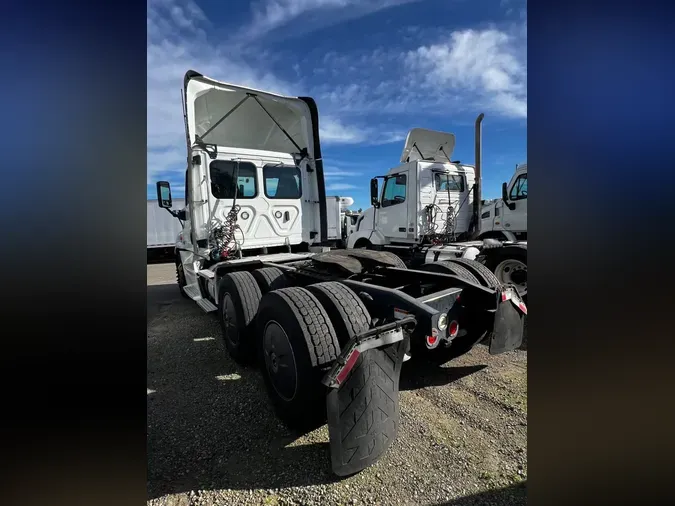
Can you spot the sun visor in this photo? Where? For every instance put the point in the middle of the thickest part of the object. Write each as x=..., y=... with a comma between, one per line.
x=232, y=116
x=430, y=145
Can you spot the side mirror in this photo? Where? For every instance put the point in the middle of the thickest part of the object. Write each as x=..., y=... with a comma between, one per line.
x=374, y=193
x=164, y=194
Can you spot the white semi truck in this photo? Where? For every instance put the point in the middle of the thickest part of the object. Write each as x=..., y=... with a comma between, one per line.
x=506, y=218
x=430, y=211
x=317, y=321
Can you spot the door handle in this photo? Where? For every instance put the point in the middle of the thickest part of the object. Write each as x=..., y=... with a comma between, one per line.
x=287, y=216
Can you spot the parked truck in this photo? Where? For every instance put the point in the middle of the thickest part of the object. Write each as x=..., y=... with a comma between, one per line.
x=429, y=212
x=349, y=221
x=330, y=329
x=506, y=218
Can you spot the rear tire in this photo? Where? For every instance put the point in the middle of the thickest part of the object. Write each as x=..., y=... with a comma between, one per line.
x=270, y=278
x=238, y=300
x=446, y=267
x=395, y=258
x=346, y=310
x=296, y=344
x=484, y=275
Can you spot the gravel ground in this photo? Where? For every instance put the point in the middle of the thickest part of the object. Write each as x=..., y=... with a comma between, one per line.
x=213, y=438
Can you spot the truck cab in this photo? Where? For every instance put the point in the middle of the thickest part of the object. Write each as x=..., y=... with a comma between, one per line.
x=426, y=197
x=507, y=217
x=254, y=180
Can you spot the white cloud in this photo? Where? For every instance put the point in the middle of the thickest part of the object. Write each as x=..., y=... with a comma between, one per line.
x=370, y=97
x=340, y=186
x=332, y=131
x=177, y=42
x=269, y=15
x=488, y=65
x=166, y=162
x=464, y=71
x=335, y=173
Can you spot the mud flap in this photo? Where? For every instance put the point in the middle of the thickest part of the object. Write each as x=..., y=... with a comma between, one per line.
x=507, y=334
x=363, y=413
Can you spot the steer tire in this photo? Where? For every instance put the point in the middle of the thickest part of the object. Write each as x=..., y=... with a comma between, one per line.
x=180, y=279
x=270, y=278
x=238, y=300
x=296, y=345
x=346, y=310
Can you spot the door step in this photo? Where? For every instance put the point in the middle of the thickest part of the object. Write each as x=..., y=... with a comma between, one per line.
x=207, y=305
x=206, y=273
x=193, y=291
x=195, y=294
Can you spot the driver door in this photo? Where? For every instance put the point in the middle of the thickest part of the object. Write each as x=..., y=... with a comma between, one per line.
x=393, y=211
x=515, y=220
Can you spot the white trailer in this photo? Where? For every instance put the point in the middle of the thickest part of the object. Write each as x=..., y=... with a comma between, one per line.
x=163, y=228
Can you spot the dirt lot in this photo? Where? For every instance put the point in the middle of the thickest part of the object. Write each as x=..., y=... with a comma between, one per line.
x=213, y=438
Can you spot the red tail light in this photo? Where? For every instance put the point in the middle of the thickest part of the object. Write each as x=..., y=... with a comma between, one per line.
x=453, y=328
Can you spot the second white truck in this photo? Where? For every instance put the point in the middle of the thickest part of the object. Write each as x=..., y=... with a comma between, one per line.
x=506, y=218
x=430, y=210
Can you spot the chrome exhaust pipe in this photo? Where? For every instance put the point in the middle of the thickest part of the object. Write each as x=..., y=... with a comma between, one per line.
x=478, y=183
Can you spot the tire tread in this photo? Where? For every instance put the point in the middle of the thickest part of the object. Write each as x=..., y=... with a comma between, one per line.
x=485, y=275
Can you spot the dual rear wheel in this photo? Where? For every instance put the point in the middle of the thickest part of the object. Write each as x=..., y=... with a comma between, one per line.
x=293, y=333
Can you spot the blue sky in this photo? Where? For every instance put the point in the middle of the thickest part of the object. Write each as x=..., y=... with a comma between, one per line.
x=376, y=68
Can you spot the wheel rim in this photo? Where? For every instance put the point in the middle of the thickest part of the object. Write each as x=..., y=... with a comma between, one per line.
x=280, y=361
x=230, y=320
x=513, y=272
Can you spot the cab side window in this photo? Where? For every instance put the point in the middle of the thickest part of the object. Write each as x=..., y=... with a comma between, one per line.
x=394, y=190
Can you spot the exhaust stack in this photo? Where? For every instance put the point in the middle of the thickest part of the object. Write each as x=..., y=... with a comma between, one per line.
x=478, y=184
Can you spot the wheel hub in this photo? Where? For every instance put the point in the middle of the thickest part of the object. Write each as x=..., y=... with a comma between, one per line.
x=513, y=272
x=280, y=361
